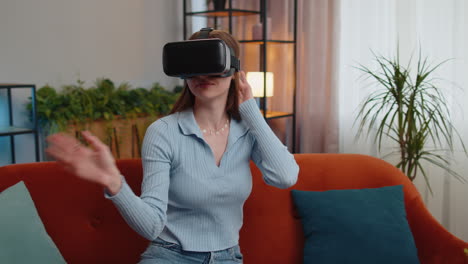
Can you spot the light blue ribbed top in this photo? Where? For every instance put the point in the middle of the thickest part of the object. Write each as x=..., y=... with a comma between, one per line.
x=186, y=198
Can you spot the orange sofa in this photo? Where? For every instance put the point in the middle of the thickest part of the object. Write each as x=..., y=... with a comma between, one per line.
x=87, y=228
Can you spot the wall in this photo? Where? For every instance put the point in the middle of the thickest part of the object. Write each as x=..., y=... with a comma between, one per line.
x=59, y=41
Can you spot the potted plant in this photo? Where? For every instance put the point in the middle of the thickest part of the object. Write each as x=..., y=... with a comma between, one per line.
x=410, y=110
x=118, y=115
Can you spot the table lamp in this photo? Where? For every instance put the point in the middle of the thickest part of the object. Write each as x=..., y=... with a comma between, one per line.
x=255, y=79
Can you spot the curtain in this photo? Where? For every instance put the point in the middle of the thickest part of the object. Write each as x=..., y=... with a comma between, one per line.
x=337, y=36
x=317, y=78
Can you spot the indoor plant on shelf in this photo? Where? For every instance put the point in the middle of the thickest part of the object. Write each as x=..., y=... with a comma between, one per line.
x=118, y=115
x=410, y=110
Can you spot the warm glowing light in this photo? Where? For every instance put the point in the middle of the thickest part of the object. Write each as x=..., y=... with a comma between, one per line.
x=255, y=79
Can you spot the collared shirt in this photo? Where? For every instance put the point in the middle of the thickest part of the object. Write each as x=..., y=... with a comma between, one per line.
x=186, y=198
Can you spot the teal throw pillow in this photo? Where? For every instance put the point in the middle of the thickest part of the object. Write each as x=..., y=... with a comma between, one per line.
x=23, y=238
x=355, y=226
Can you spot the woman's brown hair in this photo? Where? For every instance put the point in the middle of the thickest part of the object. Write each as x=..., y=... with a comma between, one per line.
x=187, y=99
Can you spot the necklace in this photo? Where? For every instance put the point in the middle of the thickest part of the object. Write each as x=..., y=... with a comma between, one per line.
x=216, y=131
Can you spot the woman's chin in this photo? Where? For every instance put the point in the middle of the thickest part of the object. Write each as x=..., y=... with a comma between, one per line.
x=210, y=96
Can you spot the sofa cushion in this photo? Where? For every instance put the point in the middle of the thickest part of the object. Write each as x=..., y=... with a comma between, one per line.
x=355, y=226
x=23, y=238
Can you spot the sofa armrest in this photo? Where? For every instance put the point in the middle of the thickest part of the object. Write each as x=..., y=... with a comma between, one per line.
x=435, y=243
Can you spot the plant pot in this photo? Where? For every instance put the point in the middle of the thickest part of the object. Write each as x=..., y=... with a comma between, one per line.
x=219, y=4
x=122, y=136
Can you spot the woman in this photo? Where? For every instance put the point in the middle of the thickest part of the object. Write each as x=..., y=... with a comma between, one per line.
x=196, y=169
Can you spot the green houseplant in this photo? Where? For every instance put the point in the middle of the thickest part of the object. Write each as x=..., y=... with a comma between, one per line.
x=410, y=110
x=102, y=101
x=77, y=107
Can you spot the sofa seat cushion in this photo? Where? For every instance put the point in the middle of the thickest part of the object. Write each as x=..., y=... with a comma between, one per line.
x=355, y=226
x=23, y=237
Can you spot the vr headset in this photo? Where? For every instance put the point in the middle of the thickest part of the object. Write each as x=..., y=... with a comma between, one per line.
x=201, y=56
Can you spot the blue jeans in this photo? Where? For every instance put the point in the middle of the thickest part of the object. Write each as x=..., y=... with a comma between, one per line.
x=163, y=252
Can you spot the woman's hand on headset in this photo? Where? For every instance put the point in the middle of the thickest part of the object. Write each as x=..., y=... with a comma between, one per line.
x=245, y=90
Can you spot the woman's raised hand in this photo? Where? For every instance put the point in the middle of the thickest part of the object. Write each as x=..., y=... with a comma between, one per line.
x=245, y=91
x=95, y=164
